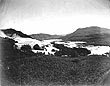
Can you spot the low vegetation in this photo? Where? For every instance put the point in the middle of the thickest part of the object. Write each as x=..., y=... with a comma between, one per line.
x=26, y=68
x=72, y=52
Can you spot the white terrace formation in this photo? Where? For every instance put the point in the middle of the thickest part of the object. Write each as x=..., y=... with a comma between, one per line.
x=48, y=46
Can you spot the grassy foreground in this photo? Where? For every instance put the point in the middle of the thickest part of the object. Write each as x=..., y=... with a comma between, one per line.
x=55, y=71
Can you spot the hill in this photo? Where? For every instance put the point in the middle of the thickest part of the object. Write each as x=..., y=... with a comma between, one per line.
x=36, y=71
x=13, y=33
x=26, y=68
x=92, y=35
x=43, y=36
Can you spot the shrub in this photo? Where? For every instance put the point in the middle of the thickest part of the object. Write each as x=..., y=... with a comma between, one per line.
x=73, y=52
x=26, y=48
x=36, y=47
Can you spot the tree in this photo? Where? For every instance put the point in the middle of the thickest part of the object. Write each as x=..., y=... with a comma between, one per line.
x=58, y=53
x=36, y=47
x=73, y=52
x=53, y=50
x=83, y=51
x=26, y=48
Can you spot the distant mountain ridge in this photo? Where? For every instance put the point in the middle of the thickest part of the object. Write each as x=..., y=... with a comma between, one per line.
x=43, y=36
x=91, y=35
x=14, y=33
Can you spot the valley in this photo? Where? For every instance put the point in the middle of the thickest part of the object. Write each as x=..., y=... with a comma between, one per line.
x=74, y=59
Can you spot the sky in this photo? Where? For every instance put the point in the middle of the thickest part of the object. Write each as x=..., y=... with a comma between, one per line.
x=53, y=16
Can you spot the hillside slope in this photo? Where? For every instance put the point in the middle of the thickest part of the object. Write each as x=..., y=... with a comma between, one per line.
x=56, y=71
x=13, y=33
x=92, y=35
x=43, y=36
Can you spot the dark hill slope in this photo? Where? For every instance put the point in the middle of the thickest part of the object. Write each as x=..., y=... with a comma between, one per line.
x=11, y=32
x=91, y=35
x=56, y=71
x=43, y=36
